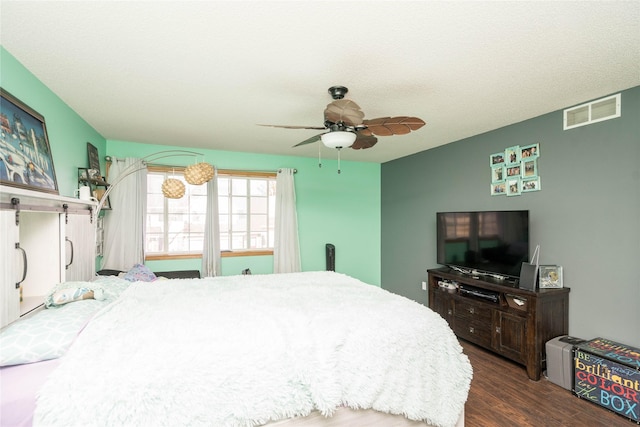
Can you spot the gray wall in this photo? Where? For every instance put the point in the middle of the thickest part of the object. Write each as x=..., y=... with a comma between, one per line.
x=586, y=217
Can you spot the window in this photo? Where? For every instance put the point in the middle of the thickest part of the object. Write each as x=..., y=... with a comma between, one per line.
x=175, y=227
x=247, y=204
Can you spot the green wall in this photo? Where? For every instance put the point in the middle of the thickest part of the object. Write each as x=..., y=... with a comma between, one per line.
x=586, y=217
x=342, y=209
x=68, y=132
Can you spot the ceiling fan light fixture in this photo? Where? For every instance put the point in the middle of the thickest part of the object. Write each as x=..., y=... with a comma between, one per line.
x=338, y=139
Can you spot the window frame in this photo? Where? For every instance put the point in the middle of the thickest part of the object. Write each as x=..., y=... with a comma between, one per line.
x=220, y=172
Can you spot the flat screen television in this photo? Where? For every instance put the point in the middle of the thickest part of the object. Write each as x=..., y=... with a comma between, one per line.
x=489, y=242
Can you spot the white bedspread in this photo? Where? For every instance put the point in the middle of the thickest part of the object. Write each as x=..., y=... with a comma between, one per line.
x=244, y=350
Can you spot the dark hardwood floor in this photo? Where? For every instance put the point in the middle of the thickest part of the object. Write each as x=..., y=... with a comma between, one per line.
x=503, y=395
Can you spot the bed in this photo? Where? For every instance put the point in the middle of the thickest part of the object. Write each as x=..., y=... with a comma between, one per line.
x=297, y=349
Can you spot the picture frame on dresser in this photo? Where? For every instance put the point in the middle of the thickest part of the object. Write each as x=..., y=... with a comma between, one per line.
x=25, y=154
x=550, y=276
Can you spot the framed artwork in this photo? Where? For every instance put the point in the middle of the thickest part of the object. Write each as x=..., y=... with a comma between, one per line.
x=498, y=188
x=513, y=187
x=530, y=151
x=530, y=184
x=496, y=159
x=550, y=276
x=25, y=153
x=512, y=155
x=529, y=168
x=94, y=158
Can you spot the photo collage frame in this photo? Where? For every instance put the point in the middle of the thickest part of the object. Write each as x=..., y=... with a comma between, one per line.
x=514, y=171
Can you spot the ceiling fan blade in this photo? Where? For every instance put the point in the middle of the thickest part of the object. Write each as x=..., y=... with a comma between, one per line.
x=364, y=141
x=386, y=126
x=344, y=110
x=310, y=140
x=295, y=127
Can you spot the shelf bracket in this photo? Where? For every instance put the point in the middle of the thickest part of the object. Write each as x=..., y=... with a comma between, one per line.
x=16, y=205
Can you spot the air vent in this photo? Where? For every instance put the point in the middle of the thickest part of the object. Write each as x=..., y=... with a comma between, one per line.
x=592, y=112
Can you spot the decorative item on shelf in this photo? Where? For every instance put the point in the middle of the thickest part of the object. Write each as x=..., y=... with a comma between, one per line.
x=173, y=188
x=198, y=173
x=550, y=276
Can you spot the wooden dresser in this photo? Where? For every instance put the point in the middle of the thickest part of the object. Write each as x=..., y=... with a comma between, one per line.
x=500, y=317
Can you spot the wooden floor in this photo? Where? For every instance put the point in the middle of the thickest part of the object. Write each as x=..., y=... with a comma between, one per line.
x=502, y=395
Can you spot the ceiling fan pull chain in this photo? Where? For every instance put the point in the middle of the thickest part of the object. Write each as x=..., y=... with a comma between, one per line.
x=338, y=159
x=319, y=154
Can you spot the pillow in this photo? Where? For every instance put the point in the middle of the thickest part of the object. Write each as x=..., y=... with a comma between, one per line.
x=139, y=273
x=73, y=294
x=47, y=334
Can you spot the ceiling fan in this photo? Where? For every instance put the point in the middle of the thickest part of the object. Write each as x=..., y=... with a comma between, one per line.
x=345, y=125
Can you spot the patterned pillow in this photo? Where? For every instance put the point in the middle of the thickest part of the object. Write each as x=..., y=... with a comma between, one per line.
x=139, y=273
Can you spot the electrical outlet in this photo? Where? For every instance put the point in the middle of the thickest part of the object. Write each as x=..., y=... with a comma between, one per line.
x=424, y=286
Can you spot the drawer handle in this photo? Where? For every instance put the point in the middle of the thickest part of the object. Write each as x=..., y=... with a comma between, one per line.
x=471, y=330
x=497, y=329
x=471, y=310
x=450, y=312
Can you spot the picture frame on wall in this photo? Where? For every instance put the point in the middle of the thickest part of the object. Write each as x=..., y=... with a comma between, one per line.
x=531, y=151
x=497, y=173
x=512, y=155
x=550, y=276
x=530, y=184
x=25, y=154
x=529, y=168
x=498, y=188
x=94, y=157
x=513, y=187
x=496, y=159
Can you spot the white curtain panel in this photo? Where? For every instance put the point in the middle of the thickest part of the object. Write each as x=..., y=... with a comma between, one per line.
x=211, y=264
x=286, y=250
x=124, y=224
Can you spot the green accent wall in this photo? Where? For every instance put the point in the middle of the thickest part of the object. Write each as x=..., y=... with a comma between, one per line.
x=342, y=209
x=586, y=217
x=68, y=132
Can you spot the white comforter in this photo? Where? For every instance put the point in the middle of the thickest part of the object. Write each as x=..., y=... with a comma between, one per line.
x=244, y=350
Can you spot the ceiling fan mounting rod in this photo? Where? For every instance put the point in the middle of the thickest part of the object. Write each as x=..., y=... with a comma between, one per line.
x=338, y=92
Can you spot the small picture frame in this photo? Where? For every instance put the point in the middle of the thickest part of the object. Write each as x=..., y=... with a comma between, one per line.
x=514, y=187
x=529, y=168
x=550, y=276
x=498, y=188
x=513, y=170
x=94, y=157
x=496, y=159
x=497, y=173
x=530, y=184
x=512, y=155
x=530, y=151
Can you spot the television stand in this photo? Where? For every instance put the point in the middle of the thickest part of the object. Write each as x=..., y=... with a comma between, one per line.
x=497, y=315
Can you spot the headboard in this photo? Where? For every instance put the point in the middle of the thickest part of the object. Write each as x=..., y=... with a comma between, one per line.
x=180, y=274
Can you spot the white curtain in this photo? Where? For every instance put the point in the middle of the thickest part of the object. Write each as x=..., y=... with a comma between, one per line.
x=124, y=224
x=211, y=247
x=286, y=250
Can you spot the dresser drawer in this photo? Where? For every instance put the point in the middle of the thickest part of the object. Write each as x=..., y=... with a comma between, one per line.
x=475, y=331
x=472, y=311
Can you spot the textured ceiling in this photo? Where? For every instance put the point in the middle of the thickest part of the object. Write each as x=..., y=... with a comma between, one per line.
x=203, y=74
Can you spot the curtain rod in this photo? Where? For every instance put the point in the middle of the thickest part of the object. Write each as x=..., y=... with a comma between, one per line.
x=111, y=158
